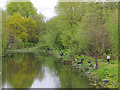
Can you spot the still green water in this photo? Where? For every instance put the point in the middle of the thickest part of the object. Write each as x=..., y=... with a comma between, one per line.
x=39, y=71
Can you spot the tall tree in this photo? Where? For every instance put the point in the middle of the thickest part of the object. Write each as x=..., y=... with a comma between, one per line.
x=5, y=31
x=26, y=9
x=21, y=27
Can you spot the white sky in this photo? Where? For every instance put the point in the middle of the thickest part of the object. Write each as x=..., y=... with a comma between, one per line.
x=46, y=7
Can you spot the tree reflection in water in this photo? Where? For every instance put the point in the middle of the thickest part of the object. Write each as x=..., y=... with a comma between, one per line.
x=39, y=71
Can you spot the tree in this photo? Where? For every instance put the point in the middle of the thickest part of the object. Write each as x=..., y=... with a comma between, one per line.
x=22, y=28
x=40, y=29
x=39, y=18
x=16, y=23
x=113, y=29
x=81, y=28
x=69, y=11
x=5, y=32
x=52, y=35
x=31, y=25
x=26, y=9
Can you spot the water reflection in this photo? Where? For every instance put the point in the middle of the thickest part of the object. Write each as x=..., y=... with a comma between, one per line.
x=49, y=80
x=39, y=71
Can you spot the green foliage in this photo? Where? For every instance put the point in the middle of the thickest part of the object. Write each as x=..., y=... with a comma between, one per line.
x=28, y=45
x=19, y=43
x=39, y=18
x=18, y=20
x=52, y=36
x=81, y=30
x=113, y=29
x=5, y=36
x=26, y=9
x=40, y=29
x=22, y=28
x=16, y=23
x=5, y=32
x=107, y=71
x=31, y=25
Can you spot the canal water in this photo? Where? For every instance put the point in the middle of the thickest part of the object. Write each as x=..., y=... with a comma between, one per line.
x=39, y=70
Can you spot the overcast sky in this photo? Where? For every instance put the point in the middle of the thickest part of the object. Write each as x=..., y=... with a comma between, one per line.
x=46, y=7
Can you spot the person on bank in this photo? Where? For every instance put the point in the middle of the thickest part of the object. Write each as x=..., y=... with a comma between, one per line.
x=108, y=58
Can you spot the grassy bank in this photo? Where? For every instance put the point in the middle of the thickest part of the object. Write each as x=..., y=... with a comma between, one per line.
x=104, y=71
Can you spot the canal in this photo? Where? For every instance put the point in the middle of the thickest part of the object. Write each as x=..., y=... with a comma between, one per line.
x=39, y=70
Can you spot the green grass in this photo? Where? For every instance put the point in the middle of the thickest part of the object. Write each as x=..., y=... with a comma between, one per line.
x=104, y=71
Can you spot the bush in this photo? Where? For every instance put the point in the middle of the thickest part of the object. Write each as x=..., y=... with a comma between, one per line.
x=19, y=43
x=27, y=44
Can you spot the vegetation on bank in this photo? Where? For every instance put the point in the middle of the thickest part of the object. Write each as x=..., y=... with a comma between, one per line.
x=104, y=71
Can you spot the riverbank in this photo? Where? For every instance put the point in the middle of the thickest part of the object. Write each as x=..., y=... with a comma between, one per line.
x=105, y=71
x=106, y=76
x=31, y=49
